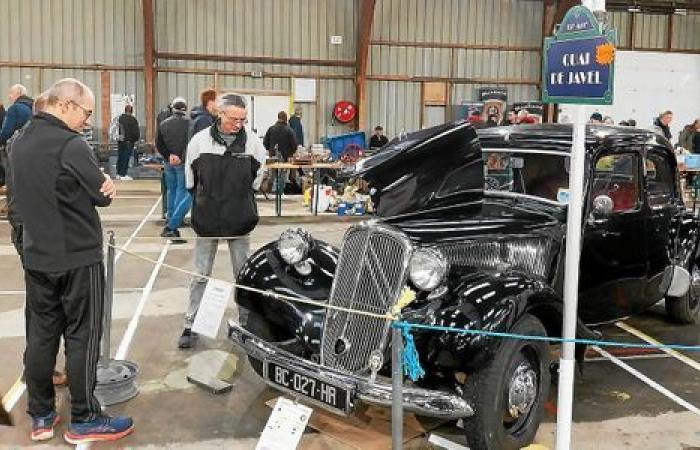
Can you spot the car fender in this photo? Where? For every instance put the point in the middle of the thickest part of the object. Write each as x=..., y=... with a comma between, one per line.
x=489, y=302
x=266, y=271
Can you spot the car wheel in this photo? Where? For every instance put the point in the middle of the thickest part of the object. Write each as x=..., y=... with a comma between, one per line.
x=259, y=327
x=685, y=310
x=509, y=393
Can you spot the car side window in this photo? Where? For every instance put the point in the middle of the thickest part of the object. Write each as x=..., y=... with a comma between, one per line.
x=659, y=179
x=617, y=177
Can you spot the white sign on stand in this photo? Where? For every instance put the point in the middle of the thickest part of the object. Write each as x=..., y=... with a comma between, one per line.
x=285, y=426
x=212, y=308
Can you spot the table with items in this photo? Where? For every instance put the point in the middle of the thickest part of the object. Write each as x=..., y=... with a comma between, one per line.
x=278, y=167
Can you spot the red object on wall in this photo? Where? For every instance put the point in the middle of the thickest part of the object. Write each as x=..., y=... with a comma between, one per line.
x=344, y=111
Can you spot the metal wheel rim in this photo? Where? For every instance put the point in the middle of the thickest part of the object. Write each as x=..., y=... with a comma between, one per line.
x=516, y=414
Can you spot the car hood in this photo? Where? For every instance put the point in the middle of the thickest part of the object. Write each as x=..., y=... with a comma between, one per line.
x=427, y=169
x=492, y=218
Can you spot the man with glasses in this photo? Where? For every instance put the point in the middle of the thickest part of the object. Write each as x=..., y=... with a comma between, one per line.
x=224, y=167
x=57, y=184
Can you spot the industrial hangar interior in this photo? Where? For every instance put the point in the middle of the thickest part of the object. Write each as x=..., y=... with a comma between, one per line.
x=350, y=224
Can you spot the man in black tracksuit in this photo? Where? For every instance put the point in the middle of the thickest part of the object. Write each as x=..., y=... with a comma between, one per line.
x=57, y=184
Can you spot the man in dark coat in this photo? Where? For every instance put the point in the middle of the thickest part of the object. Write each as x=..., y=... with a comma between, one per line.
x=64, y=273
x=280, y=138
x=171, y=143
x=131, y=134
x=378, y=140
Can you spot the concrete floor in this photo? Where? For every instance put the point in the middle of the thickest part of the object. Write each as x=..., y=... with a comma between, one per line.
x=613, y=408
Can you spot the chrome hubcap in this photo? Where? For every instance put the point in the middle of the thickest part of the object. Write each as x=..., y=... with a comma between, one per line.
x=523, y=390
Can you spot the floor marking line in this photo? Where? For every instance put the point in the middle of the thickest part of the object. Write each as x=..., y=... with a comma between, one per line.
x=649, y=382
x=13, y=395
x=676, y=354
x=631, y=357
x=133, y=323
x=138, y=228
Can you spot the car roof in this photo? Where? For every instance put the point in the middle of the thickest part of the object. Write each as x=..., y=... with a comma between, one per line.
x=559, y=137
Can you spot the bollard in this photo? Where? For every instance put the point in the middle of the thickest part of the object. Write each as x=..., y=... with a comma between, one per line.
x=109, y=299
x=397, y=389
x=116, y=380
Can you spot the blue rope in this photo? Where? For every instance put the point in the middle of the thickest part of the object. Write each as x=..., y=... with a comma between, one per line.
x=407, y=326
x=411, y=363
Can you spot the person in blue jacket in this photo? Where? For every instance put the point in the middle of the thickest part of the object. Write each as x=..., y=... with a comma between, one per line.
x=16, y=116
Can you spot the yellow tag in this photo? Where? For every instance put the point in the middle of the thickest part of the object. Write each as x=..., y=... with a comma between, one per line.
x=406, y=298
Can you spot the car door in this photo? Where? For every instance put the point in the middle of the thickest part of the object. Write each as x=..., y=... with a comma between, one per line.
x=660, y=204
x=613, y=265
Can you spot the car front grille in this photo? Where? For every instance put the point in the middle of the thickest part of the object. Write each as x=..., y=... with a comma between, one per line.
x=370, y=275
x=529, y=254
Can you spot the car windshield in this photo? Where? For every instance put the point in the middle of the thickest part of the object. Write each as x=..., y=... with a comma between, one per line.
x=539, y=174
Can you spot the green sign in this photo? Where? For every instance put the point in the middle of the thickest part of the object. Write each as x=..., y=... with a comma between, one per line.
x=578, y=61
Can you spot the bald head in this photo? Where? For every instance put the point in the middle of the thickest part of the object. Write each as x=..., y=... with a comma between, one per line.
x=71, y=101
x=69, y=89
x=15, y=92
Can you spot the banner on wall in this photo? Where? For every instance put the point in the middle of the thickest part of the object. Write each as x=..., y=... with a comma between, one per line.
x=534, y=108
x=494, y=100
x=467, y=110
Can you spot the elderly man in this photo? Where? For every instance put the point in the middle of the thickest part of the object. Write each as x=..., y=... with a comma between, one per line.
x=64, y=274
x=226, y=157
x=17, y=115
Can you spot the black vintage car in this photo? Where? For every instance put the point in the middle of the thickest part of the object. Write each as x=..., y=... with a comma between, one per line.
x=474, y=223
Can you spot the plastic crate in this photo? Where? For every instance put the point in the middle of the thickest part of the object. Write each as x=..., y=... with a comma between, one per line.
x=338, y=143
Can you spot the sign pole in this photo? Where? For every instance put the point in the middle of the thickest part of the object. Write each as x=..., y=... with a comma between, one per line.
x=573, y=251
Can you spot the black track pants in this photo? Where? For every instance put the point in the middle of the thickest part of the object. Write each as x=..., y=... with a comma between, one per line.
x=70, y=304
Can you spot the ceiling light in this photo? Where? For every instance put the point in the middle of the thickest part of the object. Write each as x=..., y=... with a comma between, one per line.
x=634, y=9
x=680, y=11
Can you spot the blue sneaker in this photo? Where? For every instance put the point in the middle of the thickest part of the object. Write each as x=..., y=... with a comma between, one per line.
x=103, y=428
x=42, y=427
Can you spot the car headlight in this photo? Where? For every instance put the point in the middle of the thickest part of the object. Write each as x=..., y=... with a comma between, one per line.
x=427, y=268
x=294, y=245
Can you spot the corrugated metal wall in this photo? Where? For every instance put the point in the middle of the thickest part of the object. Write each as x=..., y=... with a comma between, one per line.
x=283, y=29
x=504, y=23
x=73, y=32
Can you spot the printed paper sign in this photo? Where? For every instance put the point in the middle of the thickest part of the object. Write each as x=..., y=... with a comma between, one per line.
x=285, y=426
x=211, y=309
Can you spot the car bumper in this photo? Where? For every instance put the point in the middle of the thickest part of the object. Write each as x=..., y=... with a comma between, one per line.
x=423, y=402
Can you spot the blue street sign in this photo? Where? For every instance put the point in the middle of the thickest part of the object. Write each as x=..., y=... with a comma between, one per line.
x=578, y=61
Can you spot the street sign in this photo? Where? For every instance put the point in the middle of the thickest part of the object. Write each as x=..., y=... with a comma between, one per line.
x=578, y=61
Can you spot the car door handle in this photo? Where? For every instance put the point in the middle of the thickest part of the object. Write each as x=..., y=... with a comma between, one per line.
x=606, y=233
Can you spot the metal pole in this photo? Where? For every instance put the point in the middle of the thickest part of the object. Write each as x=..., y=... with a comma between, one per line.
x=109, y=296
x=397, y=389
x=573, y=253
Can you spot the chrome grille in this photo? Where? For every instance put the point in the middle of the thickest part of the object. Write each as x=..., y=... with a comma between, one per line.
x=370, y=274
x=525, y=253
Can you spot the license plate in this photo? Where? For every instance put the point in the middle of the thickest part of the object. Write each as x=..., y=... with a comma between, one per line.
x=328, y=395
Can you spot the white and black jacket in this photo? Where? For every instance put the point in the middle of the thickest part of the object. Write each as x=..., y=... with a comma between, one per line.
x=223, y=180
